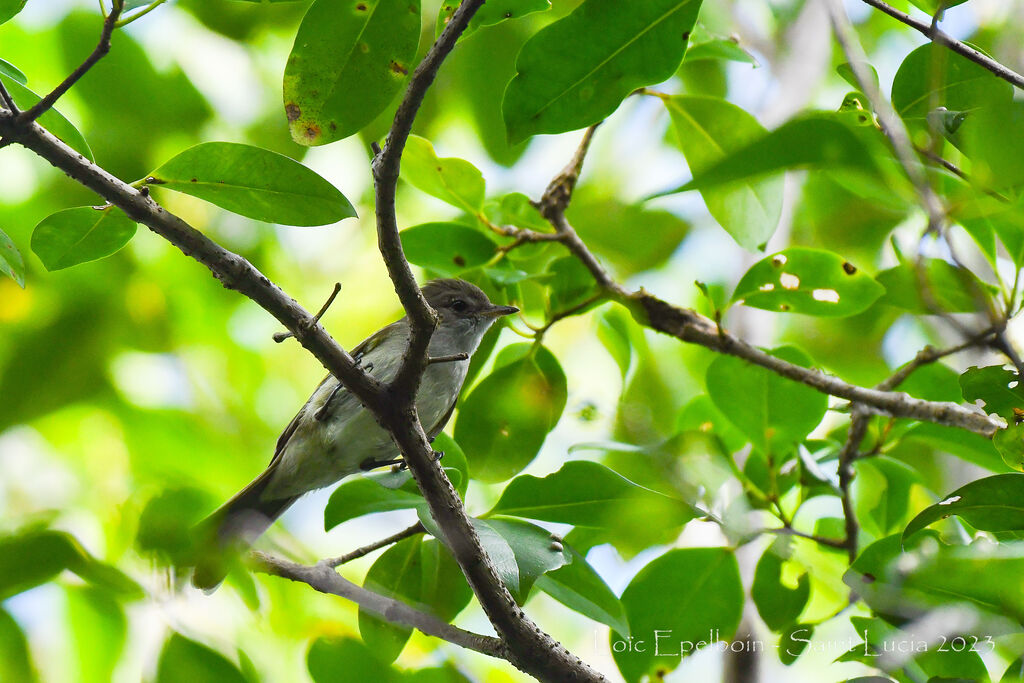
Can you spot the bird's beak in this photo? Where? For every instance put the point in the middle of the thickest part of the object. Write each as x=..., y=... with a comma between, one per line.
x=498, y=311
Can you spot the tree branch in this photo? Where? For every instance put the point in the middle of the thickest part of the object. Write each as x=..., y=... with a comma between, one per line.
x=101, y=49
x=323, y=578
x=944, y=39
x=849, y=452
x=416, y=528
x=530, y=649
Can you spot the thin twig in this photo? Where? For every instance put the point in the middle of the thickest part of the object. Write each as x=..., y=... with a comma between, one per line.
x=453, y=358
x=323, y=578
x=823, y=540
x=539, y=332
x=101, y=49
x=416, y=528
x=929, y=355
x=889, y=121
x=8, y=101
x=281, y=336
x=559, y=191
x=944, y=39
x=139, y=15
x=851, y=449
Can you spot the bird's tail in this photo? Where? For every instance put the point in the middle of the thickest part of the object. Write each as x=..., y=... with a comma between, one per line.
x=232, y=528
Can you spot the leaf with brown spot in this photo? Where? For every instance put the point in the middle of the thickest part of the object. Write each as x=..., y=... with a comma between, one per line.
x=347, y=64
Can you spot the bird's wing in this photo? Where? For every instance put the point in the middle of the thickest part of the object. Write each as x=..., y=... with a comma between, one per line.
x=358, y=353
x=437, y=428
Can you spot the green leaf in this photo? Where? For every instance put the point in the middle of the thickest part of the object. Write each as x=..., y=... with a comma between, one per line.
x=397, y=574
x=793, y=641
x=1010, y=444
x=576, y=71
x=11, y=71
x=998, y=388
x=993, y=137
x=99, y=627
x=933, y=76
x=580, y=588
x=770, y=410
x=371, y=493
x=536, y=552
x=11, y=263
x=710, y=129
x=255, y=183
x=348, y=62
x=778, y=604
x=970, y=447
x=165, y=525
x=683, y=595
x=15, y=660
x=881, y=494
x=455, y=465
x=938, y=286
x=810, y=281
x=584, y=493
x=52, y=120
x=719, y=48
x=346, y=660
x=652, y=237
x=82, y=234
x=845, y=72
x=493, y=12
x=451, y=180
x=9, y=8
x=420, y=573
x=447, y=249
x=35, y=556
x=505, y=419
x=569, y=284
x=932, y=574
x=989, y=504
x=818, y=140
x=186, y=660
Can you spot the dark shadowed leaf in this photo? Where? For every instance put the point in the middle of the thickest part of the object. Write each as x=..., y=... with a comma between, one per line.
x=686, y=594
x=254, y=182
x=348, y=62
x=811, y=281
x=576, y=71
x=778, y=603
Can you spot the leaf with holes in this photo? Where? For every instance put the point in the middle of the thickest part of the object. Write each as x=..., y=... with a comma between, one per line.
x=989, y=504
x=708, y=130
x=451, y=180
x=997, y=387
x=576, y=71
x=349, y=60
x=74, y=236
x=255, y=183
x=778, y=601
x=447, y=249
x=810, y=281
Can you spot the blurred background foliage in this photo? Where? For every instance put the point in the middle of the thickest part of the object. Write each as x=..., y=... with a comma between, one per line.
x=137, y=383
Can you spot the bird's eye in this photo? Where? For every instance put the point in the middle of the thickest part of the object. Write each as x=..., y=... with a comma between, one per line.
x=459, y=306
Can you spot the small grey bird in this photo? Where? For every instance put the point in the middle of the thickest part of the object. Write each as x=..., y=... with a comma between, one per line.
x=334, y=436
